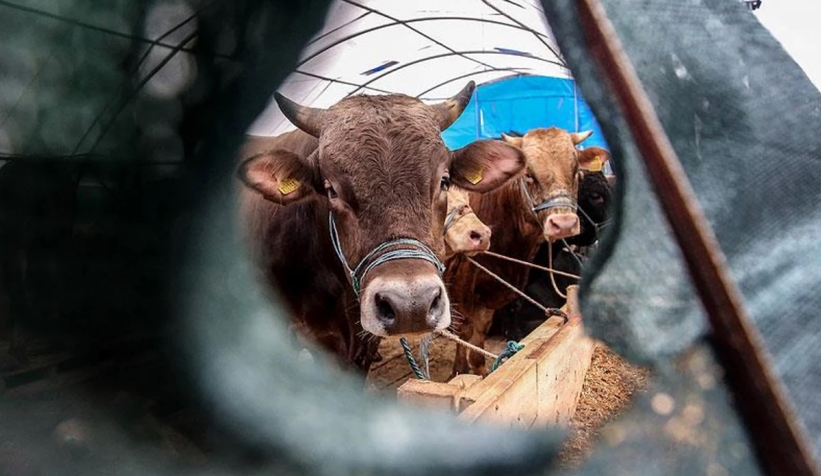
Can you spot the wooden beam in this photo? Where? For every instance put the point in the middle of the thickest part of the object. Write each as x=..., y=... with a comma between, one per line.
x=562, y=362
x=428, y=394
x=506, y=397
x=539, y=386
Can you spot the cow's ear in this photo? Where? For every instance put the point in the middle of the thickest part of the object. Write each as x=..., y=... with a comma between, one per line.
x=485, y=165
x=279, y=176
x=593, y=159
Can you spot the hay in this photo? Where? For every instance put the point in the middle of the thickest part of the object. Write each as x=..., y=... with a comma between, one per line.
x=607, y=392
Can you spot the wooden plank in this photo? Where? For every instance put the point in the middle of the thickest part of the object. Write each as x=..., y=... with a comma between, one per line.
x=562, y=362
x=428, y=394
x=465, y=381
x=540, y=334
x=539, y=386
x=504, y=397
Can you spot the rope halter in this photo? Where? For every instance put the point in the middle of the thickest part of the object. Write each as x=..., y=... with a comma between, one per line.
x=451, y=218
x=555, y=200
x=597, y=225
x=409, y=248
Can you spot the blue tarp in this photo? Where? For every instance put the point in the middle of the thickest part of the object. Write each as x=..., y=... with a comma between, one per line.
x=520, y=104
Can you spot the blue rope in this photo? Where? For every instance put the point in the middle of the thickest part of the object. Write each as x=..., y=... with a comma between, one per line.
x=411, y=361
x=510, y=350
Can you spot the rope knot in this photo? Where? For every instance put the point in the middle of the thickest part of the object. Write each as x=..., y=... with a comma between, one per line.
x=552, y=311
x=510, y=350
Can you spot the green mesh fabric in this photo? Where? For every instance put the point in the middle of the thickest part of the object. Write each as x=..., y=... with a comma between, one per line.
x=161, y=268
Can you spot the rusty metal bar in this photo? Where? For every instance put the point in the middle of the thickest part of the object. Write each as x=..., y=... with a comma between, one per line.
x=778, y=440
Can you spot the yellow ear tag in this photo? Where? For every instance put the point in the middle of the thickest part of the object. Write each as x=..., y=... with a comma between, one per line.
x=288, y=185
x=475, y=176
x=596, y=165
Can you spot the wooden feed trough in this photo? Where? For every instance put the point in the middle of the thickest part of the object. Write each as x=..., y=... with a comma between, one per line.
x=539, y=386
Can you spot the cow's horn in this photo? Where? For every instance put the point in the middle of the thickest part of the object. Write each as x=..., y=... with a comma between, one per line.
x=451, y=109
x=579, y=137
x=309, y=119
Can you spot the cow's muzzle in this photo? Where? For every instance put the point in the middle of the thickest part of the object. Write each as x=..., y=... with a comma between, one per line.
x=561, y=225
x=404, y=298
x=391, y=250
x=469, y=236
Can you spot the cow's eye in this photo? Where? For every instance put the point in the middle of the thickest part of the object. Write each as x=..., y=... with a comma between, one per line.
x=331, y=191
x=529, y=178
x=596, y=197
x=445, y=183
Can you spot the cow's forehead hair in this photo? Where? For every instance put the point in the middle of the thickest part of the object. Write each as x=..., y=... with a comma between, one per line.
x=381, y=131
x=550, y=152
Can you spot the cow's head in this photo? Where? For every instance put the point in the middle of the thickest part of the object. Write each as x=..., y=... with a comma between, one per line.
x=385, y=172
x=595, y=195
x=464, y=232
x=552, y=179
x=594, y=186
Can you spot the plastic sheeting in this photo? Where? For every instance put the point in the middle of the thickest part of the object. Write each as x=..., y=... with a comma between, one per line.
x=431, y=50
x=521, y=104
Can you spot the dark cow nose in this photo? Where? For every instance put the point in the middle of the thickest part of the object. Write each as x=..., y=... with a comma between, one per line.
x=561, y=226
x=401, y=313
x=384, y=308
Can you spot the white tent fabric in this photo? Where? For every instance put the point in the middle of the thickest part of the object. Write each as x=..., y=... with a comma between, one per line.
x=424, y=48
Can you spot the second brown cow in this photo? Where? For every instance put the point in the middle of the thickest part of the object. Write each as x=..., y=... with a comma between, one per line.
x=539, y=206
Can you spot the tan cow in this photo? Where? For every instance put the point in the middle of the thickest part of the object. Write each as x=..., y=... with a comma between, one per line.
x=539, y=206
x=464, y=232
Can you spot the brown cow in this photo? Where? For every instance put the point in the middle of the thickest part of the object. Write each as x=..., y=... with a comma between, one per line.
x=348, y=223
x=464, y=231
x=523, y=214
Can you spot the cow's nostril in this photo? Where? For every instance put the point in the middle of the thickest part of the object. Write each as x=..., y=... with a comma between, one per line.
x=475, y=237
x=436, y=303
x=384, y=309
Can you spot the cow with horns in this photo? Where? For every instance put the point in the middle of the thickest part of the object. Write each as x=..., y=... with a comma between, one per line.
x=520, y=317
x=346, y=216
x=540, y=206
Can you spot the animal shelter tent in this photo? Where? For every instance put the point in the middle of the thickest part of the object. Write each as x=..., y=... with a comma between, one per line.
x=430, y=51
x=739, y=113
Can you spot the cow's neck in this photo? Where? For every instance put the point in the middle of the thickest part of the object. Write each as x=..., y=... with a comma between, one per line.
x=516, y=231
